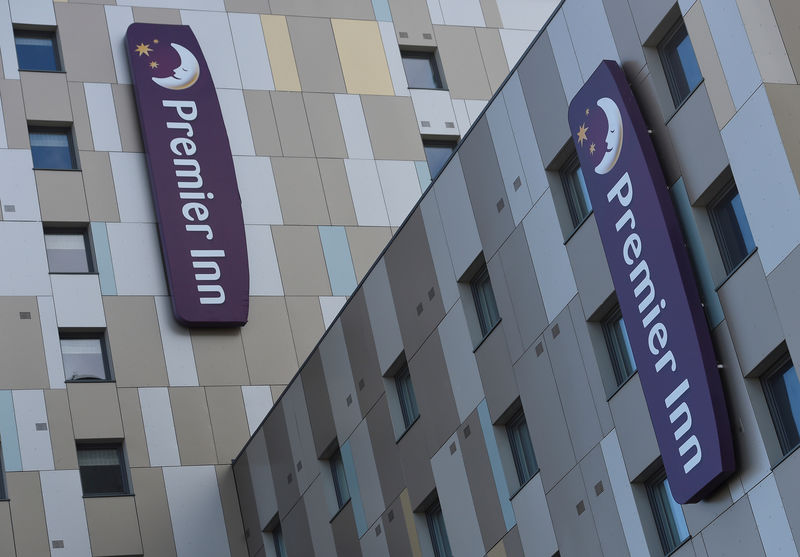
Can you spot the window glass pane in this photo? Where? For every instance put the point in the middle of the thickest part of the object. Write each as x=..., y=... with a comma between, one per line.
x=689, y=63
x=52, y=149
x=405, y=394
x=485, y=304
x=680, y=64
x=521, y=448
x=619, y=347
x=101, y=471
x=784, y=387
x=575, y=191
x=277, y=541
x=437, y=153
x=83, y=358
x=36, y=51
x=676, y=512
x=731, y=229
x=339, y=479
x=668, y=514
x=66, y=253
x=435, y=519
x=421, y=70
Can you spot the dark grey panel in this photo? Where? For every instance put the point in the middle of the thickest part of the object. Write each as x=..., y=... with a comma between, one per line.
x=734, y=533
x=505, y=306
x=485, y=186
x=344, y=532
x=395, y=528
x=485, y=499
x=362, y=352
x=545, y=98
x=416, y=462
x=572, y=517
x=385, y=450
x=601, y=500
x=513, y=543
x=700, y=515
x=296, y=533
x=281, y=460
x=413, y=278
x=629, y=46
x=634, y=428
x=698, y=143
x=544, y=414
x=497, y=375
x=648, y=15
x=247, y=505
x=783, y=285
x=786, y=474
x=323, y=429
x=589, y=266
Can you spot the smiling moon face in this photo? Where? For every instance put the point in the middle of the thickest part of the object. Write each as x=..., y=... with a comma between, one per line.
x=185, y=75
x=614, y=136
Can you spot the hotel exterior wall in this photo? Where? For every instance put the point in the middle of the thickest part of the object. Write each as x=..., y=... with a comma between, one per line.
x=594, y=443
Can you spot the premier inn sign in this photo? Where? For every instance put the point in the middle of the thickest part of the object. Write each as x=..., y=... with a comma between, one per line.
x=191, y=176
x=655, y=285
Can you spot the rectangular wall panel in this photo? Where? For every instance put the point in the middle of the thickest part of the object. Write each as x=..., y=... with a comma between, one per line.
x=361, y=55
x=281, y=55
x=159, y=428
x=365, y=186
x=498, y=473
x=12, y=459
x=234, y=112
x=590, y=33
x=400, y=186
x=22, y=249
x=534, y=523
x=35, y=12
x=196, y=510
x=566, y=61
x=339, y=378
x=776, y=535
x=440, y=253
x=355, y=489
x=257, y=402
x=396, y=70
x=102, y=117
x=118, y=19
x=78, y=301
x=265, y=277
x=367, y=473
x=214, y=35
x=251, y=51
x=102, y=256
x=260, y=204
x=515, y=42
x=132, y=187
x=261, y=480
x=8, y=49
x=462, y=12
x=136, y=253
x=354, y=126
x=461, y=365
x=18, y=188
x=30, y=413
x=330, y=306
x=338, y=260
x=435, y=115
x=177, y=342
x=52, y=344
x=65, y=513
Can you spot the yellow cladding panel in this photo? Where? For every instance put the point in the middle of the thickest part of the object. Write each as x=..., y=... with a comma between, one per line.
x=364, y=65
x=408, y=516
x=281, y=55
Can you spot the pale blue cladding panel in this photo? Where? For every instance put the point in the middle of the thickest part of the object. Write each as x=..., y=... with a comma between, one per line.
x=497, y=466
x=382, y=11
x=12, y=461
x=338, y=259
x=424, y=174
x=352, y=485
x=102, y=254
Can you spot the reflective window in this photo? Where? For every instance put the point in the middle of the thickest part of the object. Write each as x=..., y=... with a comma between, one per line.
x=67, y=251
x=405, y=394
x=680, y=64
x=102, y=470
x=339, y=479
x=485, y=305
x=422, y=71
x=619, y=347
x=575, y=191
x=2, y=476
x=437, y=153
x=519, y=439
x=782, y=388
x=437, y=530
x=731, y=229
x=277, y=541
x=84, y=358
x=668, y=514
x=52, y=148
x=37, y=50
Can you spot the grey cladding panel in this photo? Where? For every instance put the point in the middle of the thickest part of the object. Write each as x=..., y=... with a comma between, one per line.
x=395, y=528
x=247, y=504
x=734, y=533
x=573, y=518
x=385, y=450
x=320, y=414
x=497, y=375
x=589, y=266
x=629, y=47
x=344, y=532
x=315, y=54
x=600, y=498
x=362, y=352
x=416, y=461
x=648, y=15
x=281, y=460
x=296, y=533
x=786, y=474
x=783, y=285
x=634, y=428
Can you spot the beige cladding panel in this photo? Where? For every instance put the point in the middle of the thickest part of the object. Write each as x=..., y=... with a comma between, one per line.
x=59, y=422
x=85, y=44
x=364, y=64
x=337, y=192
x=784, y=101
x=293, y=131
x=98, y=184
x=135, y=440
x=267, y=340
x=494, y=57
x=27, y=510
x=301, y=261
x=263, y=127
x=305, y=317
x=153, y=512
x=156, y=15
x=14, y=114
x=61, y=196
x=192, y=425
x=491, y=13
x=231, y=510
x=392, y=128
x=355, y=9
x=80, y=117
x=315, y=54
x=127, y=118
x=6, y=531
x=228, y=421
x=300, y=193
x=21, y=345
x=46, y=96
x=366, y=243
x=134, y=341
x=787, y=14
x=219, y=357
x=463, y=67
x=95, y=411
x=326, y=130
x=113, y=526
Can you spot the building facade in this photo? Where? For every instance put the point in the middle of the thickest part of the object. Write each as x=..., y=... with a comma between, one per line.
x=478, y=394
x=117, y=425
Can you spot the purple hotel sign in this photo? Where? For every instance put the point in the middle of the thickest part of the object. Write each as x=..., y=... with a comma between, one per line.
x=655, y=286
x=191, y=175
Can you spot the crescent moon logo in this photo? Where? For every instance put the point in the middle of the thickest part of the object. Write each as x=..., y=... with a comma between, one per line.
x=614, y=136
x=185, y=75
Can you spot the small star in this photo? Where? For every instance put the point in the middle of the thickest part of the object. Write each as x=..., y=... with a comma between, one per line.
x=582, y=134
x=591, y=149
x=587, y=110
x=154, y=64
x=142, y=48
x=155, y=41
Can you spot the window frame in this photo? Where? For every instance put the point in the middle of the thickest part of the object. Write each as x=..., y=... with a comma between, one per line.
x=68, y=132
x=485, y=322
x=406, y=397
x=525, y=470
x=433, y=143
x=783, y=365
x=623, y=366
x=725, y=196
x=50, y=34
x=662, y=515
x=575, y=191
x=434, y=518
x=88, y=335
x=436, y=72
x=123, y=468
x=87, y=244
x=339, y=480
x=670, y=43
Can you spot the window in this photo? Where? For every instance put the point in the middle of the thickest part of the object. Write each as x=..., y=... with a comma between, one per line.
x=37, y=50
x=437, y=153
x=668, y=514
x=782, y=388
x=102, y=469
x=438, y=533
x=485, y=305
x=52, y=148
x=2, y=477
x=277, y=541
x=519, y=439
x=619, y=347
x=405, y=394
x=575, y=191
x=734, y=239
x=85, y=357
x=339, y=479
x=679, y=62
x=422, y=71
x=68, y=251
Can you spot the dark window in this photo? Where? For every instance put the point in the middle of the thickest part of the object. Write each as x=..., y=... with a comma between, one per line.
x=667, y=512
x=52, y=148
x=619, y=347
x=102, y=469
x=85, y=357
x=2, y=476
x=782, y=388
x=277, y=541
x=575, y=191
x=680, y=64
x=37, y=50
x=422, y=71
x=437, y=153
x=734, y=239
x=339, y=479
x=405, y=394
x=485, y=305
x=68, y=251
x=435, y=520
x=521, y=448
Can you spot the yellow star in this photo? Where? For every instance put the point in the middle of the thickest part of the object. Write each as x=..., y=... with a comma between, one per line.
x=155, y=41
x=587, y=110
x=582, y=134
x=591, y=149
x=154, y=64
x=142, y=48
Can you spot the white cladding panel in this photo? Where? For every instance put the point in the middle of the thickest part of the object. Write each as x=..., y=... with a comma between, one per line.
x=776, y=535
x=118, y=18
x=78, y=300
x=265, y=276
x=66, y=516
x=462, y=368
x=392, y=50
x=435, y=115
x=354, y=126
x=400, y=186
x=177, y=342
x=330, y=306
x=515, y=42
x=383, y=316
x=257, y=189
x=159, y=429
x=36, y=12
x=590, y=33
x=365, y=187
x=34, y=442
x=566, y=61
x=237, y=124
x=533, y=520
x=136, y=253
x=102, y=116
x=18, y=186
x=213, y=32
x=52, y=343
x=251, y=51
x=462, y=12
x=8, y=49
x=257, y=402
x=22, y=249
x=525, y=14
x=132, y=186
